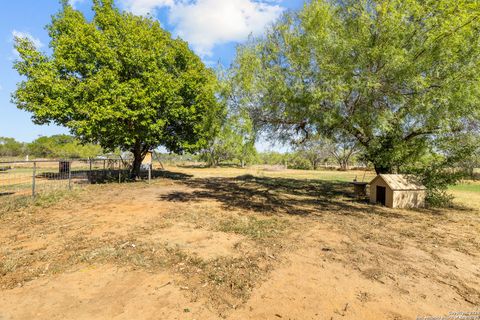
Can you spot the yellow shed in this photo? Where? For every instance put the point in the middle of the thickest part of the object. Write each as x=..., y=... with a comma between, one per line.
x=147, y=161
x=397, y=191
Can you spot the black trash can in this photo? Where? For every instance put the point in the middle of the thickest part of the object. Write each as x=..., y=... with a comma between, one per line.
x=64, y=166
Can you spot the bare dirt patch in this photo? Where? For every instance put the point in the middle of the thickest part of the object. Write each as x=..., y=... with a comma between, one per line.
x=206, y=244
x=101, y=292
x=251, y=246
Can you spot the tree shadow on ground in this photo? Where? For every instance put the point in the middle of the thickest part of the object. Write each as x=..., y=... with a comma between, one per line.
x=279, y=195
x=170, y=175
x=110, y=175
x=6, y=193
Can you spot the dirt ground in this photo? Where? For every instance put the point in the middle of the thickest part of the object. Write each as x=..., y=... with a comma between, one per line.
x=236, y=244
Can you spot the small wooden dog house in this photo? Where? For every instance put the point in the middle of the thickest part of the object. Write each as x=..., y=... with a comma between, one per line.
x=397, y=191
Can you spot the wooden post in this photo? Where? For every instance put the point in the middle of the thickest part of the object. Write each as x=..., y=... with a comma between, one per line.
x=69, y=176
x=33, y=178
x=149, y=173
x=104, y=173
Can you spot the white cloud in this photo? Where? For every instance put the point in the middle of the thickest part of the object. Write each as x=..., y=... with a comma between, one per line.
x=19, y=34
x=142, y=7
x=73, y=3
x=206, y=23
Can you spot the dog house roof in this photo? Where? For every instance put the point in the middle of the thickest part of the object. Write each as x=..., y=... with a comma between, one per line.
x=400, y=181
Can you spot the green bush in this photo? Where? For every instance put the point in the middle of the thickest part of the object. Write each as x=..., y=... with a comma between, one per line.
x=300, y=163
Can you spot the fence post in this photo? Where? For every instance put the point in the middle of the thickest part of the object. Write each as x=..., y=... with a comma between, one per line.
x=149, y=173
x=90, y=159
x=33, y=178
x=119, y=172
x=69, y=176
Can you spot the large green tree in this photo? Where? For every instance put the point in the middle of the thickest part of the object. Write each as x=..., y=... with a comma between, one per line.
x=315, y=150
x=395, y=75
x=62, y=146
x=9, y=147
x=235, y=140
x=118, y=80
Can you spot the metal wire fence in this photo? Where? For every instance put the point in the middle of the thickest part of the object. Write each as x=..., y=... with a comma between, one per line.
x=29, y=178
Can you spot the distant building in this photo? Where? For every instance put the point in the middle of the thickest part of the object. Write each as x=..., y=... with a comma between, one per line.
x=148, y=159
x=397, y=191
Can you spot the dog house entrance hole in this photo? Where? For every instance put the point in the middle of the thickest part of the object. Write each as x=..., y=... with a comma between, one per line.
x=381, y=195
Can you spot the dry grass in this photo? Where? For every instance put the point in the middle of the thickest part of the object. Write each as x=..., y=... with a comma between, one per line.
x=258, y=229
x=223, y=231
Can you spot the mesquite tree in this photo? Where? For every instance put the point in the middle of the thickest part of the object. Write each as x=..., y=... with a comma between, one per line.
x=234, y=141
x=394, y=75
x=119, y=80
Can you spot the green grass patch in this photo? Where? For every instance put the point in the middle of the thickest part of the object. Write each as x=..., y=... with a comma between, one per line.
x=469, y=187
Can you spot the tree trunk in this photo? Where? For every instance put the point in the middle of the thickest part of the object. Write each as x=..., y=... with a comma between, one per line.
x=382, y=169
x=209, y=157
x=215, y=162
x=138, y=156
x=137, y=162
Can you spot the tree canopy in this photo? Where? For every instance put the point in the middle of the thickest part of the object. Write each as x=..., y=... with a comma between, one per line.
x=56, y=146
x=235, y=140
x=118, y=80
x=9, y=147
x=396, y=76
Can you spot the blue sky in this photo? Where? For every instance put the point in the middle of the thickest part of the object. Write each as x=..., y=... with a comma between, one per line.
x=212, y=27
